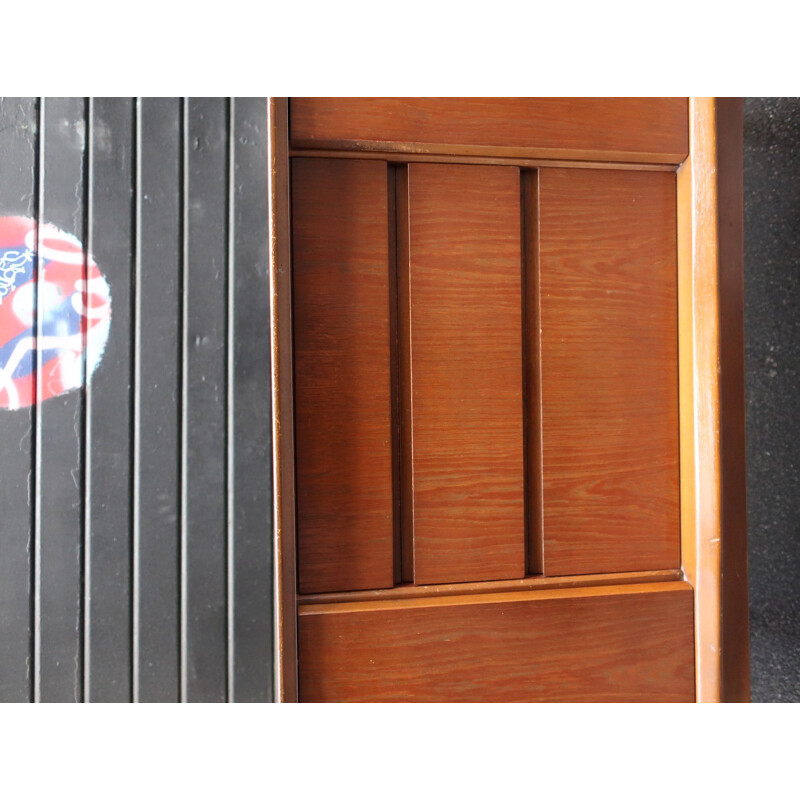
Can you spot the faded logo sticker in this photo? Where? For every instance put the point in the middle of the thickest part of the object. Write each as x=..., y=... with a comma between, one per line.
x=53, y=329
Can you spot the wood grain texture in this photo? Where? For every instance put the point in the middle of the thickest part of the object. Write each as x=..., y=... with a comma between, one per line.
x=713, y=525
x=643, y=129
x=608, y=294
x=606, y=644
x=342, y=374
x=465, y=328
x=532, y=582
x=735, y=607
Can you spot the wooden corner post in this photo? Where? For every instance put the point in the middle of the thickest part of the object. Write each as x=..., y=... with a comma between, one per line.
x=711, y=357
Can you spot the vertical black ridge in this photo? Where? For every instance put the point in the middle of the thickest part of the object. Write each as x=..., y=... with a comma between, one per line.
x=135, y=390
x=84, y=634
x=181, y=370
x=37, y=413
x=229, y=404
x=33, y=482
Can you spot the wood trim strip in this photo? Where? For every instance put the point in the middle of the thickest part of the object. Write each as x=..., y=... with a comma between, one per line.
x=282, y=401
x=486, y=151
x=428, y=601
x=489, y=160
x=735, y=606
x=710, y=271
x=535, y=583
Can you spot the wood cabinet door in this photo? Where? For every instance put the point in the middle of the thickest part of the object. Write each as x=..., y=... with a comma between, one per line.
x=481, y=429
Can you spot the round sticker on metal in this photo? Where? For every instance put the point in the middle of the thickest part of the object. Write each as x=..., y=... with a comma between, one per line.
x=62, y=320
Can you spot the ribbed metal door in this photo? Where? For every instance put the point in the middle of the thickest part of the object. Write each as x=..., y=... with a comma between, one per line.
x=136, y=509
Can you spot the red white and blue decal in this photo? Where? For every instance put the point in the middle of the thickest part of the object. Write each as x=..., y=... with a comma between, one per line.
x=62, y=320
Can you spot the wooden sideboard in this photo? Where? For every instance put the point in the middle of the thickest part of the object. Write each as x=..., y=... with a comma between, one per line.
x=508, y=394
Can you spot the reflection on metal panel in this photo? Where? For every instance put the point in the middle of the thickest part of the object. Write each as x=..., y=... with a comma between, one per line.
x=135, y=483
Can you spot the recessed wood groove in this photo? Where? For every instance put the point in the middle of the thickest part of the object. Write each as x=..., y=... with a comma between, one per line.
x=532, y=384
x=533, y=583
x=404, y=394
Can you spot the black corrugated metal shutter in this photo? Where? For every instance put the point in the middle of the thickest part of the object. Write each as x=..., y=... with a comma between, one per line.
x=136, y=510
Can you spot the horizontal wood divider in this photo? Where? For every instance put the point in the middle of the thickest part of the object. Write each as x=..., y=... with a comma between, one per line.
x=489, y=160
x=535, y=583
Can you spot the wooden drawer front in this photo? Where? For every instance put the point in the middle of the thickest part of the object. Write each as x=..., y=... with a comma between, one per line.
x=465, y=328
x=638, y=129
x=609, y=371
x=342, y=374
x=603, y=644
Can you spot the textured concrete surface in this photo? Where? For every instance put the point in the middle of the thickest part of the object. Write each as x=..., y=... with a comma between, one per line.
x=772, y=353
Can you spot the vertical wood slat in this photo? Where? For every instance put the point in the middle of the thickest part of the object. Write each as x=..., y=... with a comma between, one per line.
x=109, y=409
x=60, y=466
x=608, y=289
x=158, y=391
x=205, y=369
x=465, y=329
x=342, y=374
x=250, y=412
x=18, y=186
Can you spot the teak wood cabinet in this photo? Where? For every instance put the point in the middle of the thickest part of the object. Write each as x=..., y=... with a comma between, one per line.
x=508, y=394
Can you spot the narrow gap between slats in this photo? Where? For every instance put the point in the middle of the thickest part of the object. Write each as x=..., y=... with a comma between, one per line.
x=531, y=349
x=394, y=391
x=229, y=401
x=182, y=406
x=135, y=433
x=86, y=392
x=402, y=364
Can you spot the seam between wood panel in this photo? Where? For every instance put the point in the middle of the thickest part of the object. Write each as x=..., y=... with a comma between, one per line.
x=532, y=374
x=285, y=568
x=405, y=374
x=394, y=378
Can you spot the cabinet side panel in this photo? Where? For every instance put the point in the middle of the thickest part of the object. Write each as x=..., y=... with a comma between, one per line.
x=608, y=290
x=342, y=374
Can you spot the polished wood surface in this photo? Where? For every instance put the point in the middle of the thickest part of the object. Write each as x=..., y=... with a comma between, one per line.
x=713, y=519
x=532, y=582
x=342, y=362
x=608, y=296
x=402, y=158
x=639, y=129
x=606, y=644
x=735, y=606
x=713, y=552
x=282, y=400
x=465, y=332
